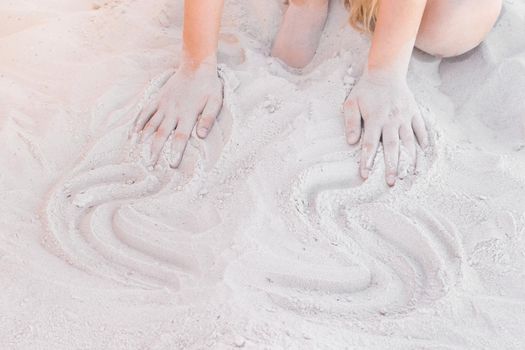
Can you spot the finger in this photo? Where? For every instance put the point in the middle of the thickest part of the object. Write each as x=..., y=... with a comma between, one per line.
x=418, y=124
x=352, y=121
x=146, y=114
x=391, y=153
x=152, y=125
x=370, y=143
x=209, y=116
x=407, y=138
x=179, y=142
x=161, y=136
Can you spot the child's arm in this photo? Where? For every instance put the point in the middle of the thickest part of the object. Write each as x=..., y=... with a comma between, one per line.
x=194, y=91
x=382, y=97
x=395, y=35
x=202, y=19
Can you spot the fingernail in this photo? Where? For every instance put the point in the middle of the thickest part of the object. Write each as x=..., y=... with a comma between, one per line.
x=364, y=173
x=145, y=136
x=351, y=137
x=370, y=163
x=175, y=160
x=202, y=131
x=391, y=180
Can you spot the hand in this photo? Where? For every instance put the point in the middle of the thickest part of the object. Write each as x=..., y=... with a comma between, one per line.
x=386, y=106
x=192, y=92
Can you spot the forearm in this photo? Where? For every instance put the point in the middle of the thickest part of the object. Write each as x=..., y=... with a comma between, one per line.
x=202, y=19
x=395, y=35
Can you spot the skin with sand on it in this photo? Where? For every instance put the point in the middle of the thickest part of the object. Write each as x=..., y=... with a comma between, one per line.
x=266, y=236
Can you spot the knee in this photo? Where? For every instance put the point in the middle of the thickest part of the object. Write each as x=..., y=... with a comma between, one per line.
x=450, y=28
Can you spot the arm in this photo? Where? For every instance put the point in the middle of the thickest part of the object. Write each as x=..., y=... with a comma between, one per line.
x=382, y=100
x=193, y=95
x=395, y=35
x=202, y=20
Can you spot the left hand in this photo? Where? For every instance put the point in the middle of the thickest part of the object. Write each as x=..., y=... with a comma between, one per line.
x=192, y=96
x=388, y=109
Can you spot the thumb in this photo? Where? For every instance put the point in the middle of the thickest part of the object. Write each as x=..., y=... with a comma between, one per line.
x=209, y=116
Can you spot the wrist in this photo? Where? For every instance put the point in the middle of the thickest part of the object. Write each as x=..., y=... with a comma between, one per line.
x=384, y=76
x=193, y=63
x=393, y=66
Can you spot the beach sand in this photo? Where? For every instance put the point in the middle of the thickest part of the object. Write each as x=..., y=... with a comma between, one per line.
x=266, y=237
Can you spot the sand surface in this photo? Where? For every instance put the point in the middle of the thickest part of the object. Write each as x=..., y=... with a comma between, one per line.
x=266, y=238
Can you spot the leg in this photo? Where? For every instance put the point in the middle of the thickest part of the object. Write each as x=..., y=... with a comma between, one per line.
x=453, y=27
x=300, y=32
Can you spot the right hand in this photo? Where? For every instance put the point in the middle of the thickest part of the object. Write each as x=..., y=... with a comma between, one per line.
x=387, y=110
x=193, y=95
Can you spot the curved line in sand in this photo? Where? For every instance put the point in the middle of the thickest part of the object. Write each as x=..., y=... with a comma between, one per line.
x=92, y=224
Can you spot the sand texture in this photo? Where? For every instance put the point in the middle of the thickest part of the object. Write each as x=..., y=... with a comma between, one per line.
x=266, y=237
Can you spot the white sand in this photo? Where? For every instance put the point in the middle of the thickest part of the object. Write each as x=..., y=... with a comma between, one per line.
x=266, y=238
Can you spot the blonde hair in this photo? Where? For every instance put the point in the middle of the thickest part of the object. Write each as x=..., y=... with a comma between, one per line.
x=363, y=14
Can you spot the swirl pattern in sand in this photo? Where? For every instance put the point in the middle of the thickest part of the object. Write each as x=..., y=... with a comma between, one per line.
x=266, y=237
